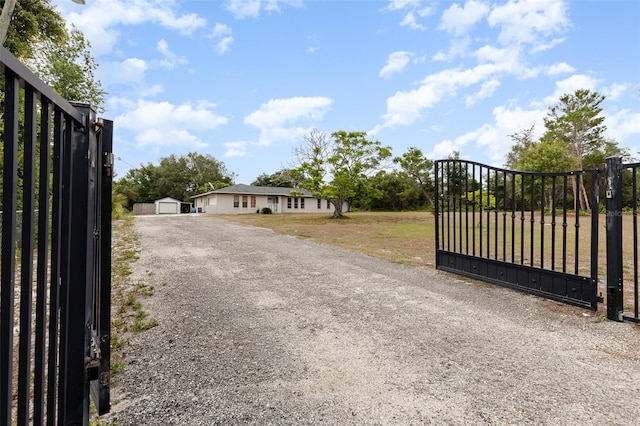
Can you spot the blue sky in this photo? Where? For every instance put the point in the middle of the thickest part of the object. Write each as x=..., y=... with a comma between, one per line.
x=244, y=81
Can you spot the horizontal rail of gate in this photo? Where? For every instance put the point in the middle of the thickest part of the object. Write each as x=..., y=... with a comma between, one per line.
x=55, y=259
x=523, y=230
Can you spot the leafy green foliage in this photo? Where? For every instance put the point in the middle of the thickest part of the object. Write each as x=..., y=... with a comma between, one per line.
x=415, y=165
x=483, y=199
x=33, y=22
x=348, y=158
x=175, y=177
x=69, y=69
x=281, y=179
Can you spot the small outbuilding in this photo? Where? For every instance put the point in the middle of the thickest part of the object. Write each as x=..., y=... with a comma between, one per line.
x=167, y=205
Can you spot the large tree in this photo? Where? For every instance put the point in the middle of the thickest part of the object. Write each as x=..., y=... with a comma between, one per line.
x=178, y=177
x=336, y=168
x=29, y=23
x=284, y=178
x=577, y=123
x=69, y=69
x=415, y=165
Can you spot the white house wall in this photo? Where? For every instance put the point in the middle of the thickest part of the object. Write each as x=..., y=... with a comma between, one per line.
x=224, y=204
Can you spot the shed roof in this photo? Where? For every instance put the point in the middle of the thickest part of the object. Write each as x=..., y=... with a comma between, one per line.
x=167, y=200
x=255, y=190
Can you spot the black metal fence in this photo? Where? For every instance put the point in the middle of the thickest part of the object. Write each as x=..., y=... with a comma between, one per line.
x=55, y=266
x=539, y=232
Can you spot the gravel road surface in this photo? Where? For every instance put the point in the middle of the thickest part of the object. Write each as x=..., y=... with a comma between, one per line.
x=263, y=329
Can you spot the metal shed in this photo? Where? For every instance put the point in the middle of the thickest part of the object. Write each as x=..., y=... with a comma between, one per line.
x=167, y=205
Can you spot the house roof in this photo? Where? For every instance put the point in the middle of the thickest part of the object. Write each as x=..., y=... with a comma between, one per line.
x=255, y=190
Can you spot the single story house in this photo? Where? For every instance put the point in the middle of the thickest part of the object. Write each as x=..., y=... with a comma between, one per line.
x=243, y=199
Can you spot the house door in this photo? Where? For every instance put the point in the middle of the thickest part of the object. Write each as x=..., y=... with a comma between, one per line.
x=273, y=204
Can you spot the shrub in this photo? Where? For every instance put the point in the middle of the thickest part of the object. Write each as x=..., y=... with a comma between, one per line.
x=266, y=210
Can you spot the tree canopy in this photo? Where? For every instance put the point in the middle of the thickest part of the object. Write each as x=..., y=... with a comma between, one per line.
x=178, y=177
x=281, y=179
x=573, y=140
x=30, y=23
x=337, y=168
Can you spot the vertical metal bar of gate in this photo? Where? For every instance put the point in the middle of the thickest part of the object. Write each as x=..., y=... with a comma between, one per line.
x=613, y=192
x=102, y=313
x=75, y=313
x=27, y=246
x=7, y=273
x=43, y=262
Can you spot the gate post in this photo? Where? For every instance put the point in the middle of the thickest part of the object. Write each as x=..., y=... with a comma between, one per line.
x=613, y=203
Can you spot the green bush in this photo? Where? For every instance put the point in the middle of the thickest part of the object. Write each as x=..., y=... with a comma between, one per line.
x=266, y=210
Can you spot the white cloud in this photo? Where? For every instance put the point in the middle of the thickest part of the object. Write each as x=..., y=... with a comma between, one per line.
x=98, y=19
x=223, y=44
x=402, y=4
x=561, y=68
x=396, y=62
x=404, y=108
x=615, y=91
x=277, y=112
x=486, y=91
x=242, y=9
x=163, y=123
x=494, y=138
x=458, y=20
x=623, y=125
x=410, y=21
x=570, y=85
x=236, y=149
x=131, y=70
x=526, y=21
x=411, y=9
x=222, y=37
x=170, y=59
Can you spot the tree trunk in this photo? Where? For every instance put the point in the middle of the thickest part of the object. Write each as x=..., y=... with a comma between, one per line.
x=584, y=198
x=5, y=19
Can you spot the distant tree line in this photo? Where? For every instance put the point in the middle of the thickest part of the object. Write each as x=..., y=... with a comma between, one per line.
x=178, y=177
x=349, y=168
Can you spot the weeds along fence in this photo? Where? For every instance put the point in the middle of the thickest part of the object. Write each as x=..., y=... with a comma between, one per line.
x=55, y=232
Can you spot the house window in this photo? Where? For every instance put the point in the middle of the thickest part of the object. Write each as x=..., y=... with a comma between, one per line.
x=328, y=205
x=245, y=201
x=253, y=201
x=302, y=203
x=319, y=203
x=289, y=202
x=236, y=201
x=295, y=203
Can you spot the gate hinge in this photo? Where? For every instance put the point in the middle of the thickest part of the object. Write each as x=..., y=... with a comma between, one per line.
x=93, y=362
x=108, y=163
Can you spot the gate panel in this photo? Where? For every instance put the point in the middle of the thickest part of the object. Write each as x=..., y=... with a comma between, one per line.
x=622, y=240
x=535, y=232
x=55, y=259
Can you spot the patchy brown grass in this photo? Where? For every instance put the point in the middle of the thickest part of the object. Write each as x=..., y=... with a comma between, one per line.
x=401, y=237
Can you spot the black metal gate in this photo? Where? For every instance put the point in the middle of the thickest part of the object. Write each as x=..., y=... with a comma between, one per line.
x=519, y=229
x=621, y=190
x=56, y=254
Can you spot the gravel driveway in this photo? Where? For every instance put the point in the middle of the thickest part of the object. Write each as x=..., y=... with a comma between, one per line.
x=259, y=328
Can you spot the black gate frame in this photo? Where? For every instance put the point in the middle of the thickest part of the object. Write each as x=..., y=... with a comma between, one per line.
x=615, y=280
x=69, y=237
x=510, y=269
